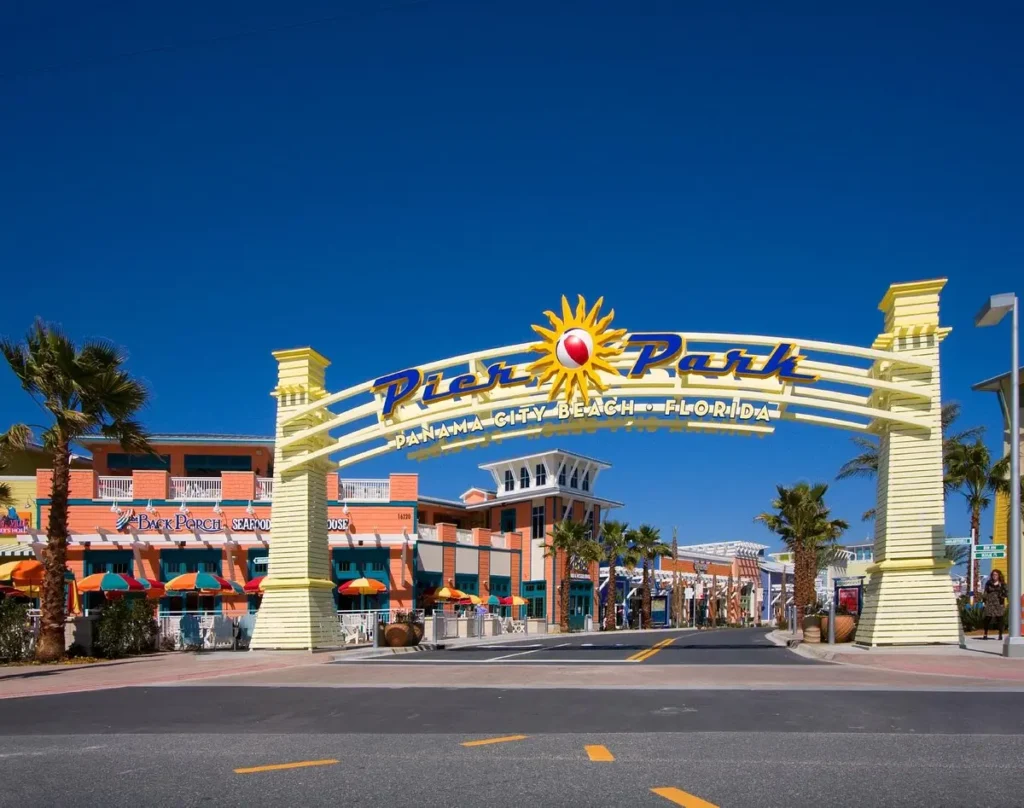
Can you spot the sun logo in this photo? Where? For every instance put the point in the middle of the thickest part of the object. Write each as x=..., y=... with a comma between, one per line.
x=575, y=348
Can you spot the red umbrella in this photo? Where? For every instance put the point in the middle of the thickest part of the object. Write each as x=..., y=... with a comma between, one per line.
x=11, y=592
x=255, y=586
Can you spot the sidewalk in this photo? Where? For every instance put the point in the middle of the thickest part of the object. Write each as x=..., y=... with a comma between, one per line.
x=978, y=660
x=162, y=668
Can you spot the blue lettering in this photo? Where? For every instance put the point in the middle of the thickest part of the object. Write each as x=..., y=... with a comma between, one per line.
x=398, y=386
x=671, y=345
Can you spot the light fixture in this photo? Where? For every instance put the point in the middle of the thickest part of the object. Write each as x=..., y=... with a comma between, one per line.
x=149, y=507
x=249, y=509
x=114, y=508
x=995, y=309
x=344, y=509
x=183, y=508
x=217, y=509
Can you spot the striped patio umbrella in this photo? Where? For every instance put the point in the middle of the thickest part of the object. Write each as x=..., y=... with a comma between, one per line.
x=205, y=582
x=255, y=586
x=12, y=592
x=110, y=582
x=469, y=600
x=513, y=600
x=447, y=593
x=362, y=586
x=493, y=600
x=154, y=589
x=26, y=571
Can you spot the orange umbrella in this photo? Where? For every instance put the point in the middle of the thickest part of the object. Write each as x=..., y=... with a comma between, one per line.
x=205, y=582
x=447, y=593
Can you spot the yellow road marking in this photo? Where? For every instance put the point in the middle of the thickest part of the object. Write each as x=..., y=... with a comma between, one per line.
x=647, y=653
x=680, y=797
x=599, y=753
x=301, y=764
x=503, y=739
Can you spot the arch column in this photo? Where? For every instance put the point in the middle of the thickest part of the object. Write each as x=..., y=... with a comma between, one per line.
x=298, y=610
x=909, y=596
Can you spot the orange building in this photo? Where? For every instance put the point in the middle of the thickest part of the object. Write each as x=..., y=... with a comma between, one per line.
x=203, y=503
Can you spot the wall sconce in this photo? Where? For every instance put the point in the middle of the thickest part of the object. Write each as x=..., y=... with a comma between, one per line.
x=344, y=509
x=217, y=509
x=183, y=508
x=114, y=508
x=249, y=509
x=150, y=508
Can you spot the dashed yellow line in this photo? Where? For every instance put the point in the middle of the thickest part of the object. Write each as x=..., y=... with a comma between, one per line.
x=680, y=797
x=647, y=653
x=300, y=764
x=599, y=754
x=503, y=739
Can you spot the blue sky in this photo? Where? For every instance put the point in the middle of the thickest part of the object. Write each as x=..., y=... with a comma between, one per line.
x=205, y=184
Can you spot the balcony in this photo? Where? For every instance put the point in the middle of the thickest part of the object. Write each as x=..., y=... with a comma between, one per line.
x=366, y=490
x=464, y=536
x=196, y=489
x=115, y=488
x=427, y=532
x=264, y=488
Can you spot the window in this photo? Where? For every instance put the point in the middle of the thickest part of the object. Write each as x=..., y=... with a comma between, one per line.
x=510, y=481
x=524, y=477
x=534, y=592
x=537, y=522
x=586, y=481
x=561, y=474
x=508, y=520
x=379, y=566
x=122, y=461
x=574, y=480
x=211, y=465
x=565, y=512
x=540, y=474
x=593, y=523
x=863, y=554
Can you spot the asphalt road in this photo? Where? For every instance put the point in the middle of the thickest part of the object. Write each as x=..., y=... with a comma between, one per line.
x=718, y=647
x=467, y=747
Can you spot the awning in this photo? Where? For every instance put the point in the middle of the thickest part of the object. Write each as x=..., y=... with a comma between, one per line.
x=16, y=550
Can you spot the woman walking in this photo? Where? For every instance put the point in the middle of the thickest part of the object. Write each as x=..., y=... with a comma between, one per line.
x=995, y=594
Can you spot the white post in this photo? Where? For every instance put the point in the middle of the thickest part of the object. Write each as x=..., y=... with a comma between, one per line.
x=970, y=568
x=1014, y=643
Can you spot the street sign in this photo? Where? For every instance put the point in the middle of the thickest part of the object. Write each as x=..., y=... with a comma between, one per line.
x=983, y=551
x=958, y=540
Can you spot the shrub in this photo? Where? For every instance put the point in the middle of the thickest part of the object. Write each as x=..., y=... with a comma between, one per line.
x=783, y=624
x=127, y=627
x=14, y=644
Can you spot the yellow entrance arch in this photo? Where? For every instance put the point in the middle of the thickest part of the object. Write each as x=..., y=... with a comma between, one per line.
x=582, y=375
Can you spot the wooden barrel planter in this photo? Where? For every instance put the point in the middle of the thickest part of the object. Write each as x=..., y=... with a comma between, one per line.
x=812, y=628
x=398, y=635
x=846, y=627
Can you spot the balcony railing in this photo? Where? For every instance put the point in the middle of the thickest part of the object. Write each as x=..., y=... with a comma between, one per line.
x=428, y=532
x=366, y=490
x=499, y=540
x=196, y=489
x=116, y=488
x=264, y=488
x=464, y=536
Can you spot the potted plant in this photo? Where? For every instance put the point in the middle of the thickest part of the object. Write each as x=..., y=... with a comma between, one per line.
x=812, y=624
x=846, y=625
x=404, y=630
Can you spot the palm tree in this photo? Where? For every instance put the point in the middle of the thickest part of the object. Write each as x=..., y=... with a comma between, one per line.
x=647, y=546
x=865, y=463
x=973, y=474
x=614, y=546
x=85, y=391
x=570, y=542
x=803, y=521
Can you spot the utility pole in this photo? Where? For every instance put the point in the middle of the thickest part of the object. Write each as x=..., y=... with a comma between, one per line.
x=677, y=601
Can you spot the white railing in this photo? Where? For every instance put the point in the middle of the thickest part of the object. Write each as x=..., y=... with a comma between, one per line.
x=499, y=540
x=264, y=488
x=357, y=626
x=196, y=488
x=366, y=490
x=428, y=532
x=116, y=488
x=464, y=536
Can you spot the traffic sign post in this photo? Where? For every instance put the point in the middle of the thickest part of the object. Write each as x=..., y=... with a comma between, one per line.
x=989, y=551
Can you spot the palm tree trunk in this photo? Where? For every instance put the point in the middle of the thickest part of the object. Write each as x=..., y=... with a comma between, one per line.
x=50, y=645
x=800, y=594
x=563, y=594
x=645, y=603
x=780, y=612
x=976, y=530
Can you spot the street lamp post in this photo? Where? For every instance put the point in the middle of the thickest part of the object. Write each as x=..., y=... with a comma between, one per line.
x=992, y=313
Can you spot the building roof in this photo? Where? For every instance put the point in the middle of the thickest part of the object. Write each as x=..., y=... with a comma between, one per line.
x=168, y=438
x=449, y=503
x=496, y=463
x=992, y=385
x=538, y=493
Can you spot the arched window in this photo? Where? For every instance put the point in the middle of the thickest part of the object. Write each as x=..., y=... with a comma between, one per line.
x=524, y=477
x=586, y=481
x=540, y=474
x=510, y=481
x=561, y=474
x=575, y=481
